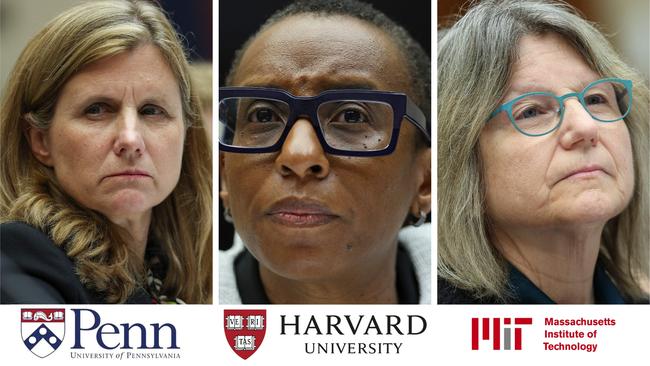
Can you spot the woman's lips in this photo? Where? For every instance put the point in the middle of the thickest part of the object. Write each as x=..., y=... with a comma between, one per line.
x=129, y=175
x=585, y=172
x=296, y=212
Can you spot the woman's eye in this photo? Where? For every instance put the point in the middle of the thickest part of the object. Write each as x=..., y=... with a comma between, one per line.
x=595, y=99
x=530, y=112
x=152, y=110
x=351, y=115
x=263, y=114
x=96, y=109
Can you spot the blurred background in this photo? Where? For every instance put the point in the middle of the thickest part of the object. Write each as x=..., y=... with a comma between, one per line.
x=20, y=20
x=626, y=22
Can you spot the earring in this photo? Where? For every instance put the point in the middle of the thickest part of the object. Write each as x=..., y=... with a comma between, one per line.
x=226, y=215
x=421, y=219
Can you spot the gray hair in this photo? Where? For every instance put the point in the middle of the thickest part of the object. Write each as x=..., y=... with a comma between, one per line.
x=475, y=59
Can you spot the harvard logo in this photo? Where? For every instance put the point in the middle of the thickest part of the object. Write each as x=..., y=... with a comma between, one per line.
x=245, y=330
x=42, y=330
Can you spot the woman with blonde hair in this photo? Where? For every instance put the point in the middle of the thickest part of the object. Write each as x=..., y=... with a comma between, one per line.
x=542, y=158
x=105, y=176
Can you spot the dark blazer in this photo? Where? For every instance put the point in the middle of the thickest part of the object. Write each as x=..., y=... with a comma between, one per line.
x=524, y=291
x=450, y=294
x=34, y=270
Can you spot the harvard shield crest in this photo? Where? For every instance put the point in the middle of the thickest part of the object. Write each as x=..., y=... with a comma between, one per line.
x=42, y=330
x=245, y=330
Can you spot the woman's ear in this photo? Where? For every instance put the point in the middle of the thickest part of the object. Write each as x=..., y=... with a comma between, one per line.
x=38, y=140
x=422, y=200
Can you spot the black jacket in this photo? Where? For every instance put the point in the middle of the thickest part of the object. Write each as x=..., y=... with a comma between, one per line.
x=450, y=294
x=524, y=291
x=34, y=270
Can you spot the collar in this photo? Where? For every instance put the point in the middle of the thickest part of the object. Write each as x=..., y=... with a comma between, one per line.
x=526, y=292
x=251, y=290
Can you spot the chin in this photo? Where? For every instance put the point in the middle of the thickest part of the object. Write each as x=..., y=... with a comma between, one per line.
x=128, y=208
x=306, y=271
x=302, y=264
x=593, y=209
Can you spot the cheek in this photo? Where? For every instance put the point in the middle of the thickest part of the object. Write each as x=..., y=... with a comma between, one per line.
x=514, y=173
x=166, y=149
x=247, y=181
x=76, y=151
x=621, y=150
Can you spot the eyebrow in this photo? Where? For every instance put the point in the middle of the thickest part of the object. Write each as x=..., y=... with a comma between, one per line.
x=529, y=87
x=103, y=98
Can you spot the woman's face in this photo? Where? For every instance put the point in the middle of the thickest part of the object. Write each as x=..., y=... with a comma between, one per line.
x=116, y=138
x=581, y=173
x=305, y=214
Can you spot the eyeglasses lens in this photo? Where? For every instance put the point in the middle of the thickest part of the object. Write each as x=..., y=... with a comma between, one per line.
x=251, y=122
x=607, y=101
x=356, y=125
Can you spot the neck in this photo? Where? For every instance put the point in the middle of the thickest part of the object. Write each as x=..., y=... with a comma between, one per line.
x=559, y=261
x=138, y=229
x=364, y=286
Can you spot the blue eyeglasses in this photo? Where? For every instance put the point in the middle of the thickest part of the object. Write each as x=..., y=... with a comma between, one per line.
x=540, y=113
x=347, y=122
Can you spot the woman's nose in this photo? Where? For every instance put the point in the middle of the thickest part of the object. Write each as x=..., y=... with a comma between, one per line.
x=579, y=128
x=302, y=153
x=129, y=142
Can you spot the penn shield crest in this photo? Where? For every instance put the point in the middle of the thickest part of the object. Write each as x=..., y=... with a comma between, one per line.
x=42, y=330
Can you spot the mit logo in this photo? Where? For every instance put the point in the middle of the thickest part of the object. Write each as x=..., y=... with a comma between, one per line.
x=484, y=332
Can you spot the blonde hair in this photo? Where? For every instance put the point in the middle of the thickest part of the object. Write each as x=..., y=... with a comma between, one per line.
x=475, y=59
x=29, y=192
x=201, y=73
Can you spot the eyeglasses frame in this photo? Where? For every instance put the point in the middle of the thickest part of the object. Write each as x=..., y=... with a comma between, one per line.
x=403, y=108
x=507, y=107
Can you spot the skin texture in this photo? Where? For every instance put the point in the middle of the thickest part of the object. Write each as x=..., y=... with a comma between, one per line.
x=351, y=257
x=116, y=138
x=546, y=220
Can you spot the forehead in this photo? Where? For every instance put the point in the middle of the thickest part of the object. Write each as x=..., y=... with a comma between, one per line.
x=143, y=67
x=306, y=53
x=549, y=62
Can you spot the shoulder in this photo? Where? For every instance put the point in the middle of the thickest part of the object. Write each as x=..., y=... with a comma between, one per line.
x=417, y=242
x=228, y=293
x=34, y=269
x=24, y=241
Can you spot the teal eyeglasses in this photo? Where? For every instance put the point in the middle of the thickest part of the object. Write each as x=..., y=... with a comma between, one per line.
x=540, y=113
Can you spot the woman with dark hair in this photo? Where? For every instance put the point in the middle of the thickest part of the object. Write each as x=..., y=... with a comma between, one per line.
x=325, y=160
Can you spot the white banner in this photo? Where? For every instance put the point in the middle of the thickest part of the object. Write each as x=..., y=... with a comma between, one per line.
x=326, y=335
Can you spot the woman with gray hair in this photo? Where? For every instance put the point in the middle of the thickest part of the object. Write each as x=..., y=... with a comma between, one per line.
x=542, y=158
